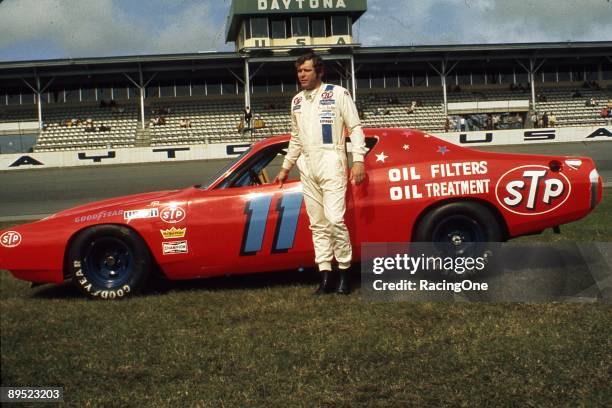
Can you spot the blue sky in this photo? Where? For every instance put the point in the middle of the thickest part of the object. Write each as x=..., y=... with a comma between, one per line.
x=48, y=29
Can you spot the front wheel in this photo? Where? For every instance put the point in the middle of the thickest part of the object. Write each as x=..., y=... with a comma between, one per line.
x=109, y=262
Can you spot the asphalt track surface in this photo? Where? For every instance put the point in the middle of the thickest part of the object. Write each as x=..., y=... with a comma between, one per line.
x=33, y=194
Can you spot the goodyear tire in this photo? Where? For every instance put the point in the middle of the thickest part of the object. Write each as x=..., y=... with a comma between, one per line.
x=109, y=262
x=460, y=229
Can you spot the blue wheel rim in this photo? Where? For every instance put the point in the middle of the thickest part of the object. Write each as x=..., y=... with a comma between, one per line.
x=459, y=235
x=109, y=262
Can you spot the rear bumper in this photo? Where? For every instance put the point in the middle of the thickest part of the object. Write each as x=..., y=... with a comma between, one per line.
x=596, y=188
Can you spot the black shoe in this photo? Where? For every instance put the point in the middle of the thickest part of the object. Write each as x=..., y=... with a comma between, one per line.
x=325, y=286
x=344, y=287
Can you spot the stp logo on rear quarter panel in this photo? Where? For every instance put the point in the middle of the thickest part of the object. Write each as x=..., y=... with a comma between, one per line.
x=10, y=239
x=172, y=215
x=532, y=190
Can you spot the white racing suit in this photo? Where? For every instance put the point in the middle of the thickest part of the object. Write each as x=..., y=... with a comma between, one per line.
x=318, y=122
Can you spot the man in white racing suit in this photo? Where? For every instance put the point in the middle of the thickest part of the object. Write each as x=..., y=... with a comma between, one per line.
x=319, y=116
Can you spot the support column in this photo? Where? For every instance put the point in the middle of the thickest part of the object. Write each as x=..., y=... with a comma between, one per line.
x=142, y=98
x=247, y=84
x=531, y=71
x=353, y=82
x=532, y=80
x=444, y=88
x=39, y=102
x=38, y=91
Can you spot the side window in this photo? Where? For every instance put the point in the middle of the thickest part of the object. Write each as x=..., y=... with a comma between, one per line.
x=261, y=169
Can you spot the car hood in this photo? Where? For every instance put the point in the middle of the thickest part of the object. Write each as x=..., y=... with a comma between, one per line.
x=119, y=203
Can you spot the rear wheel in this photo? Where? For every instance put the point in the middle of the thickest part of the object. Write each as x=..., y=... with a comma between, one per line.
x=460, y=230
x=109, y=262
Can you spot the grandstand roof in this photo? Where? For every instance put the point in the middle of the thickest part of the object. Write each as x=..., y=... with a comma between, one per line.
x=213, y=62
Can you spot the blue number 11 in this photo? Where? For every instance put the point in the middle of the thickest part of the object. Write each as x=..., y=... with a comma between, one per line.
x=257, y=211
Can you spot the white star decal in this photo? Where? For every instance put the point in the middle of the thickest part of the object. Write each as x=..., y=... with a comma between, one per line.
x=406, y=147
x=381, y=157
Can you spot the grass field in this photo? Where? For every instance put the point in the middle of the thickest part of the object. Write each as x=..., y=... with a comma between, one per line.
x=265, y=341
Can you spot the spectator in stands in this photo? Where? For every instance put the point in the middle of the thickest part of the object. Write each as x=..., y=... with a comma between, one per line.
x=103, y=103
x=412, y=107
x=104, y=128
x=393, y=100
x=591, y=102
x=552, y=119
x=541, y=98
x=89, y=127
x=158, y=121
x=534, y=119
x=462, y=124
x=545, y=120
x=576, y=94
x=361, y=114
x=248, y=115
x=495, y=120
x=604, y=113
x=446, y=125
x=185, y=123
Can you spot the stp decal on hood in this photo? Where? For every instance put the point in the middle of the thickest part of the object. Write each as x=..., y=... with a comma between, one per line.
x=532, y=190
x=10, y=239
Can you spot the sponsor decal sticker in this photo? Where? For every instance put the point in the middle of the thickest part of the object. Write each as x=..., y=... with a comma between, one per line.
x=10, y=239
x=532, y=190
x=140, y=214
x=448, y=179
x=172, y=214
x=176, y=247
x=297, y=100
x=173, y=233
x=327, y=95
x=98, y=216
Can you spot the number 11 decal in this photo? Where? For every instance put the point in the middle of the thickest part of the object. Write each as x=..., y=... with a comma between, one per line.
x=257, y=211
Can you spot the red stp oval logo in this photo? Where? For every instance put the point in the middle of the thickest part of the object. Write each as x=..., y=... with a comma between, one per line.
x=10, y=239
x=532, y=190
x=172, y=215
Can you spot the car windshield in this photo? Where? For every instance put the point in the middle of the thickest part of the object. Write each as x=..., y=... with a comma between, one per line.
x=224, y=169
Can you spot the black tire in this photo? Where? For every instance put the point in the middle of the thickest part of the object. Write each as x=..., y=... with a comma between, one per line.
x=109, y=262
x=460, y=229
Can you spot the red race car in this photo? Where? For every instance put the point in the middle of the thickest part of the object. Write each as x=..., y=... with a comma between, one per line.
x=418, y=188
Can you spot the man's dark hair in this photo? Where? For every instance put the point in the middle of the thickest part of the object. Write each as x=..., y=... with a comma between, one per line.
x=317, y=61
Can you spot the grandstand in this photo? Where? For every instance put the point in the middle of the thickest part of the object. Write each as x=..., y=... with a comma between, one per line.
x=96, y=103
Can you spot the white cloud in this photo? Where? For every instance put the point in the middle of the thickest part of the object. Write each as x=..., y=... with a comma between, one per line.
x=76, y=27
x=486, y=21
x=194, y=29
x=80, y=28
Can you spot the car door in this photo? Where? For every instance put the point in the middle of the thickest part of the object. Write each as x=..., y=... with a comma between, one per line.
x=249, y=224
